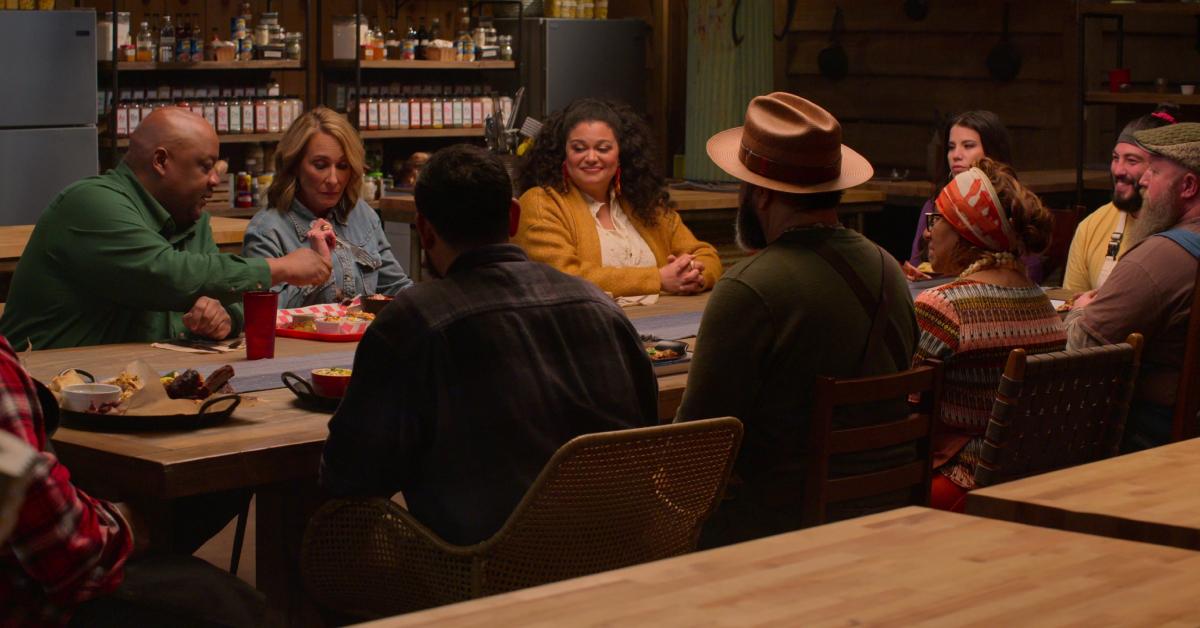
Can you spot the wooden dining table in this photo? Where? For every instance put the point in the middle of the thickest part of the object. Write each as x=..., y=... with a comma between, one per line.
x=1151, y=496
x=272, y=445
x=1051, y=182
x=708, y=213
x=227, y=233
x=911, y=566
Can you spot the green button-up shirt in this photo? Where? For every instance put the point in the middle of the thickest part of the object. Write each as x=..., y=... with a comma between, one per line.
x=106, y=263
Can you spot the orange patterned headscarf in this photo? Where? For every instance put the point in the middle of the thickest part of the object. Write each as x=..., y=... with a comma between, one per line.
x=970, y=205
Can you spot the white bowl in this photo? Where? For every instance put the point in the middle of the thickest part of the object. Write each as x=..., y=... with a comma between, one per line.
x=85, y=397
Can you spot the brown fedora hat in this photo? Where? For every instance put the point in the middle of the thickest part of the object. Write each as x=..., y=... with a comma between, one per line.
x=789, y=144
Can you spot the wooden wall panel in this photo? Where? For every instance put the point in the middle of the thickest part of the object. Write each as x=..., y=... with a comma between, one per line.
x=903, y=71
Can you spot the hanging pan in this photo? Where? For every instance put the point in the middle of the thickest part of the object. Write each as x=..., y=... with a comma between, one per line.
x=1004, y=61
x=832, y=60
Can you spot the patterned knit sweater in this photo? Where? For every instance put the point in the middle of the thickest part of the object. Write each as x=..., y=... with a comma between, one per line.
x=971, y=327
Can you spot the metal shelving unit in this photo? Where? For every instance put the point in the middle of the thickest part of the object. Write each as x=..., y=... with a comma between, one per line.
x=236, y=138
x=358, y=65
x=115, y=68
x=1088, y=10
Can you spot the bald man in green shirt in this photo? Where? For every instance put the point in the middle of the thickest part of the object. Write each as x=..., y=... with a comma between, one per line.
x=128, y=256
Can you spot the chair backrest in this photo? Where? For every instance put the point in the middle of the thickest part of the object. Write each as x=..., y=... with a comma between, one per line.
x=603, y=501
x=908, y=426
x=611, y=500
x=1057, y=410
x=1186, y=424
x=1062, y=232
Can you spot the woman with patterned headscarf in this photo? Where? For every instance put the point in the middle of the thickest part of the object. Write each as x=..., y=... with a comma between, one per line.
x=984, y=222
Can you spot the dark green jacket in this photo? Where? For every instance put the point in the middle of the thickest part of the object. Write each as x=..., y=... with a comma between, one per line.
x=106, y=264
x=774, y=323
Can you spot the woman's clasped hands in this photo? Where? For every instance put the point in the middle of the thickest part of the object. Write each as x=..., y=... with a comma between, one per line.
x=683, y=274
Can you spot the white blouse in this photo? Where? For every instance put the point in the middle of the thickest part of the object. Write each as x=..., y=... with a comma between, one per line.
x=622, y=246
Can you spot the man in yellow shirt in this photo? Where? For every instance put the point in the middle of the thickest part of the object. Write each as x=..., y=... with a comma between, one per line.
x=1099, y=239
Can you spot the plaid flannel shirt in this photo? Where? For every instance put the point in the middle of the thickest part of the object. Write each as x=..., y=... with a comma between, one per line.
x=67, y=547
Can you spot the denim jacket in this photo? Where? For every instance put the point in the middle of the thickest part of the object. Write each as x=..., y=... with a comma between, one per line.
x=368, y=270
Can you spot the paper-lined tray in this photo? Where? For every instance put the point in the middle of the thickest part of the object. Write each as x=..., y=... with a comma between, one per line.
x=148, y=407
x=212, y=412
x=288, y=332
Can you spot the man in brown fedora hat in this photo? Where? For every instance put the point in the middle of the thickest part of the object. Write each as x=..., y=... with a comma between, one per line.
x=815, y=299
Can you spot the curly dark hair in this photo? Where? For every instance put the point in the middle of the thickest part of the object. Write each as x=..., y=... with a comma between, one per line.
x=641, y=184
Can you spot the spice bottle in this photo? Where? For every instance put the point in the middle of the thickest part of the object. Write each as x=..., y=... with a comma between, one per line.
x=145, y=43
x=260, y=115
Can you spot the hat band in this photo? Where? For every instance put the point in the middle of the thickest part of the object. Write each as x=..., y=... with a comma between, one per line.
x=790, y=173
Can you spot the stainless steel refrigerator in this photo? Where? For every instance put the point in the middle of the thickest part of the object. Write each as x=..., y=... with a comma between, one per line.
x=47, y=108
x=564, y=59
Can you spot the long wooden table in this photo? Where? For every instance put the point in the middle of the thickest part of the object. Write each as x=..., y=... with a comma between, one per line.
x=900, y=568
x=227, y=233
x=1151, y=496
x=272, y=445
x=710, y=214
x=1040, y=182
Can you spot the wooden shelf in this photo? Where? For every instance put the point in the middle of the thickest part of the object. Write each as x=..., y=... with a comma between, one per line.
x=1139, y=8
x=241, y=138
x=406, y=133
x=1139, y=98
x=151, y=66
x=348, y=64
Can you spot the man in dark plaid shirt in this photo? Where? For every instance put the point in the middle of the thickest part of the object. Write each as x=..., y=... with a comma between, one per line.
x=69, y=552
x=464, y=387
x=67, y=546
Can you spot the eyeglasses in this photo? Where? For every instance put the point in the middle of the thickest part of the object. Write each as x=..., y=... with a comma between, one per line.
x=932, y=218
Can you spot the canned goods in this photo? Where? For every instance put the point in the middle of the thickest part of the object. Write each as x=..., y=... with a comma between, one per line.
x=244, y=190
x=245, y=50
x=237, y=27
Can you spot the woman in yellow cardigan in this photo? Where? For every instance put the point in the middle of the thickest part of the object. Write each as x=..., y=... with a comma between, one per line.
x=594, y=206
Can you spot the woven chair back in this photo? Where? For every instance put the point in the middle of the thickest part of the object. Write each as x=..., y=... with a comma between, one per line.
x=614, y=499
x=371, y=558
x=908, y=426
x=1058, y=410
x=1186, y=423
x=603, y=501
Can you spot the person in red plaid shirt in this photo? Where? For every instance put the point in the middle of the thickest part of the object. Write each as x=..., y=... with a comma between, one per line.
x=69, y=552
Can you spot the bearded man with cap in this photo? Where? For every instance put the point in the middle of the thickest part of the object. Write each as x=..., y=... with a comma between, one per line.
x=792, y=311
x=1100, y=238
x=1150, y=289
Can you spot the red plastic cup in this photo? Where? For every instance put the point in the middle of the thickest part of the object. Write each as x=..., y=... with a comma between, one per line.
x=1117, y=78
x=259, y=311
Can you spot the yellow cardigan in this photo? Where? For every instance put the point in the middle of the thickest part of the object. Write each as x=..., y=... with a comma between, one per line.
x=560, y=230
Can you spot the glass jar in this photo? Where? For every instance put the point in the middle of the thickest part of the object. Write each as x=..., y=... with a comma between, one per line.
x=222, y=117
x=104, y=34
x=262, y=34
x=506, y=51
x=260, y=115
x=273, y=116
x=343, y=35
x=235, y=117
x=294, y=50
x=247, y=116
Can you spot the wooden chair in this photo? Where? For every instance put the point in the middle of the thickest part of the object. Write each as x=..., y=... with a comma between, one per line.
x=603, y=501
x=826, y=441
x=1058, y=410
x=1187, y=398
x=1065, y=222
